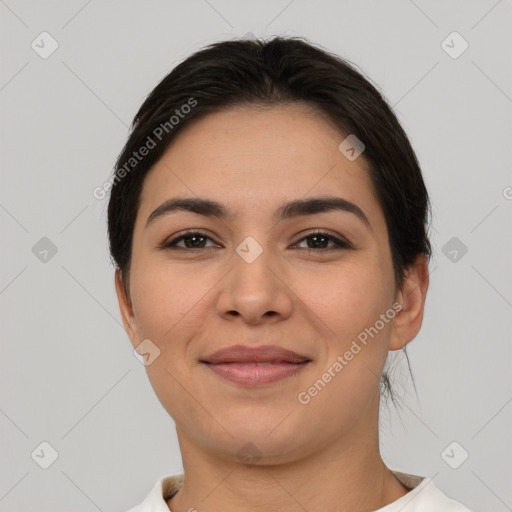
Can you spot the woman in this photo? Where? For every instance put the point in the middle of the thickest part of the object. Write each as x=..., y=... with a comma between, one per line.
x=268, y=223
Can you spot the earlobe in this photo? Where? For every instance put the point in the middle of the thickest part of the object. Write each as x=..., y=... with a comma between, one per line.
x=407, y=322
x=126, y=309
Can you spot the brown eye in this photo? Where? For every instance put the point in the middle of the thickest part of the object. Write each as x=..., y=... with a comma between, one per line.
x=319, y=240
x=191, y=240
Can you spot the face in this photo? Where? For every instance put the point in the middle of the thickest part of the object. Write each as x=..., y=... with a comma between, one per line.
x=257, y=276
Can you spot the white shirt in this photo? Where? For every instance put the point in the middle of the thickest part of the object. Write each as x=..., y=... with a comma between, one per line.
x=423, y=496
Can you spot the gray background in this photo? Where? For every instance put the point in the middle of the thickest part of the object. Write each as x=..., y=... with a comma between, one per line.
x=68, y=374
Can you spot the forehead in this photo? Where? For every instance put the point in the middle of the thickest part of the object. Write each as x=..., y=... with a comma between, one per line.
x=252, y=158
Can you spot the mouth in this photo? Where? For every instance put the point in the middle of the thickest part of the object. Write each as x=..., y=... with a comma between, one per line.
x=255, y=366
x=256, y=373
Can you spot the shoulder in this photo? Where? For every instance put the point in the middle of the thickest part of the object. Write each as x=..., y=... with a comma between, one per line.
x=432, y=498
x=424, y=496
x=155, y=500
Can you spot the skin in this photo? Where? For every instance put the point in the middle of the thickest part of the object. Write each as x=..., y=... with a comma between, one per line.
x=320, y=456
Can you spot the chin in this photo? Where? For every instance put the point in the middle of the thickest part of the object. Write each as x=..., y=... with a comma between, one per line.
x=260, y=450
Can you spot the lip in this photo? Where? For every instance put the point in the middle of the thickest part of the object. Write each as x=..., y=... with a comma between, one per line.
x=261, y=354
x=253, y=366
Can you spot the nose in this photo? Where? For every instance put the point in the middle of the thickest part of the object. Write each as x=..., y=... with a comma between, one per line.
x=255, y=291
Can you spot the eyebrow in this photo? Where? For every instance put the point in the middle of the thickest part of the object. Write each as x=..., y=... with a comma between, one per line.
x=295, y=208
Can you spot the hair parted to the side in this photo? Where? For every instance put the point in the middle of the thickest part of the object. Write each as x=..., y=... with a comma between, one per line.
x=272, y=72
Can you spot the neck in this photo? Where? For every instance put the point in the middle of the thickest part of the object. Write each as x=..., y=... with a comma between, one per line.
x=348, y=475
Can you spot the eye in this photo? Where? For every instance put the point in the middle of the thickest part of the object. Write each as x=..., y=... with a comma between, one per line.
x=320, y=241
x=191, y=239
x=197, y=240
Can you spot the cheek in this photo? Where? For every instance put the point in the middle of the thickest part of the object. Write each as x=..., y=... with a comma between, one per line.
x=350, y=302
x=346, y=298
x=170, y=302
x=351, y=305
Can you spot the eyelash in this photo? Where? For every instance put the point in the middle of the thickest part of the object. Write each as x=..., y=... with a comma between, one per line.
x=341, y=244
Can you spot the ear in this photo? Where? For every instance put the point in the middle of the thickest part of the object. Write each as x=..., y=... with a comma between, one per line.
x=407, y=322
x=126, y=309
